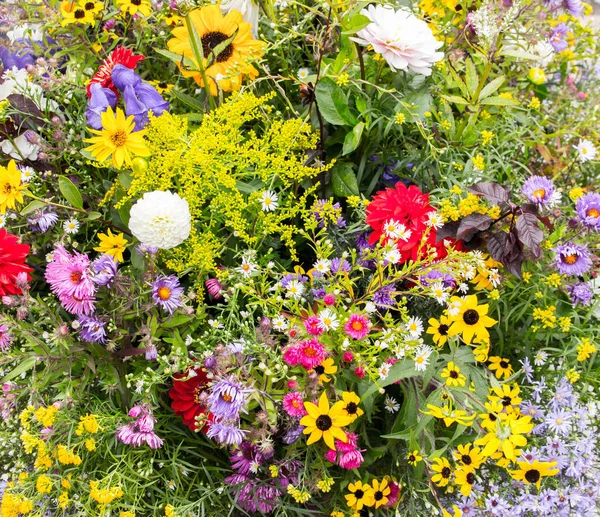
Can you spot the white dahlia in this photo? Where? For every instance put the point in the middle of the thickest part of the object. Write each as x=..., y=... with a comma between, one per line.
x=160, y=219
x=401, y=38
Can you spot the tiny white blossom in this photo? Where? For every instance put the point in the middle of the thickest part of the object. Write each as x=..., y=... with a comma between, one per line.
x=295, y=289
x=280, y=323
x=27, y=174
x=463, y=287
x=540, y=358
x=216, y=324
x=384, y=371
x=303, y=74
x=414, y=326
x=392, y=256
x=586, y=150
x=269, y=200
x=391, y=404
x=422, y=354
x=71, y=226
x=2, y=220
x=494, y=277
x=328, y=320
x=439, y=292
x=247, y=268
x=434, y=220
x=322, y=265
x=370, y=307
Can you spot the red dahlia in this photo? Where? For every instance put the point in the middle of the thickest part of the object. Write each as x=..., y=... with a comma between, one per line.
x=185, y=395
x=120, y=56
x=12, y=262
x=410, y=207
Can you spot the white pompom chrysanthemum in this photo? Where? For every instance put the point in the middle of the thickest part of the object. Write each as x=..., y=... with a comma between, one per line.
x=160, y=219
x=401, y=38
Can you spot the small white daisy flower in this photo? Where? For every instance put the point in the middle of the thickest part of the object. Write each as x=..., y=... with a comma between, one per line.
x=247, y=268
x=384, y=371
x=393, y=256
x=370, y=308
x=269, y=200
x=586, y=150
x=303, y=73
x=294, y=290
x=434, y=220
x=2, y=221
x=414, y=326
x=71, y=226
x=422, y=354
x=280, y=323
x=322, y=266
x=540, y=358
x=393, y=228
x=328, y=320
x=216, y=324
x=391, y=404
x=27, y=174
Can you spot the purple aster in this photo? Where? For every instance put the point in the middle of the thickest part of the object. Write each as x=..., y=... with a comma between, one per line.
x=227, y=398
x=340, y=265
x=539, y=190
x=141, y=430
x=245, y=458
x=226, y=433
x=572, y=259
x=42, y=220
x=528, y=409
x=588, y=210
x=319, y=293
x=5, y=338
x=527, y=369
x=150, y=353
x=144, y=249
x=104, y=269
x=92, y=330
x=382, y=297
x=437, y=276
x=580, y=294
x=496, y=505
x=167, y=292
x=574, y=7
x=293, y=434
x=557, y=38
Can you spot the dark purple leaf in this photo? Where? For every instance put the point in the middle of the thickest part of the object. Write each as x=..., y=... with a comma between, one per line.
x=530, y=233
x=448, y=231
x=493, y=192
x=505, y=248
x=496, y=245
x=546, y=222
x=472, y=224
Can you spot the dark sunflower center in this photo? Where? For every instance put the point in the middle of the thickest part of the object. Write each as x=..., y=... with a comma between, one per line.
x=79, y=14
x=492, y=417
x=136, y=2
x=163, y=85
x=324, y=423
x=533, y=476
x=412, y=458
x=7, y=188
x=466, y=459
x=506, y=401
x=446, y=472
x=504, y=364
x=359, y=494
x=88, y=6
x=443, y=329
x=211, y=40
x=351, y=408
x=453, y=374
x=471, y=317
x=320, y=369
x=378, y=495
x=470, y=477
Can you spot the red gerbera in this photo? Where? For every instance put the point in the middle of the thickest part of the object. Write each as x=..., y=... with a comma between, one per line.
x=120, y=56
x=407, y=206
x=12, y=262
x=185, y=395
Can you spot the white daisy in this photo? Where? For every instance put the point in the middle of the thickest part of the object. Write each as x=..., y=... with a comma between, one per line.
x=27, y=174
x=247, y=268
x=303, y=74
x=414, y=326
x=494, y=277
x=586, y=150
x=463, y=287
x=328, y=320
x=71, y=226
x=434, y=220
x=439, y=292
x=391, y=404
x=280, y=323
x=294, y=290
x=370, y=308
x=384, y=371
x=540, y=358
x=422, y=354
x=269, y=200
x=454, y=307
x=393, y=256
x=2, y=221
x=393, y=228
x=216, y=324
x=322, y=266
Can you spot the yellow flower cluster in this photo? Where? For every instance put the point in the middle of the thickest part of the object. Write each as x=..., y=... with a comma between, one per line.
x=43, y=484
x=88, y=423
x=553, y=280
x=14, y=505
x=67, y=457
x=585, y=349
x=471, y=204
x=486, y=137
x=478, y=162
x=545, y=316
x=298, y=495
x=104, y=495
x=45, y=416
x=573, y=375
x=325, y=484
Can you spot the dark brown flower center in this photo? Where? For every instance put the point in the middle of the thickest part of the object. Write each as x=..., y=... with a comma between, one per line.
x=378, y=495
x=492, y=417
x=136, y=2
x=324, y=423
x=320, y=369
x=359, y=494
x=89, y=6
x=471, y=317
x=79, y=14
x=7, y=188
x=504, y=364
x=506, y=401
x=470, y=477
x=446, y=472
x=443, y=329
x=466, y=459
x=351, y=408
x=412, y=458
x=533, y=476
x=211, y=40
x=453, y=374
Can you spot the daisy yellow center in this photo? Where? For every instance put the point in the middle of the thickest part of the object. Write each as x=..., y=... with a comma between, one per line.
x=118, y=138
x=357, y=325
x=226, y=397
x=593, y=212
x=213, y=39
x=246, y=267
x=570, y=259
x=268, y=201
x=584, y=150
x=164, y=293
x=419, y=360
x=539, y=193
x=559, y=421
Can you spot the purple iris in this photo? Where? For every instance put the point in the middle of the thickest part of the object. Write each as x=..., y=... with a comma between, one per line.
x=557, y=38
x=572, y=259
x=101, y=99
x=105, y=269
x=92, y=330
x=580, y=294
x=588, y=210
x=538, y=190
x=21, y=58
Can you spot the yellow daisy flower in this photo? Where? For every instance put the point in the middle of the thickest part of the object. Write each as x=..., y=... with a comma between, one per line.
x=162, y=86
x=74, y=12
x=117, y=139
x=439, y=329
x=532, y=473
x=465, y=479
x=468, y=458
x=360, y=495
x=507, y=435
x=413, y=458
x=325, y=369
x=502, y=367
x=381, y=490
x=471, y=320
x=10, y=187
x=351, y=401
x=453, y=376
x=443, y=471
x=506, y=395
x=143, y=7
x=113, y=245
x=325, y=422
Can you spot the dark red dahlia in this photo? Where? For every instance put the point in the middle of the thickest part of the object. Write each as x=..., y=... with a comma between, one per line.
x=12, y=262
x=185, y=395
x=120, y=56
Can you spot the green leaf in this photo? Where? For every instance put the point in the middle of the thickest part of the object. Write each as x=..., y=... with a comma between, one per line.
x=355, y=23
x=215, y=52
x=352, y=140
x=192, y=102
x=70, y=192
x=92, y=216
x=125, y=179
x=401, y=370
x=455, y=99
x=22, y=367
x=34, y=205
x=333, y=104
x=177, y=58
x=499, y=101
x=343, y=180
x=458, y=82
x=471, y=77
x=491, y=87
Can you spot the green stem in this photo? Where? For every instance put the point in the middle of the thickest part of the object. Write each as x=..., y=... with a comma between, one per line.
x=199, y=55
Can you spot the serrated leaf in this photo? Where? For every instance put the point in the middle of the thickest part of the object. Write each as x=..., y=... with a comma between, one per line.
x=491, y=87
x=498, y=101
x=493, y=192
x=459, y=82
x=471, y=79
x=332, y=103
x=70, y=192
x=352, y=140
x=34, y=205
x=343, y=180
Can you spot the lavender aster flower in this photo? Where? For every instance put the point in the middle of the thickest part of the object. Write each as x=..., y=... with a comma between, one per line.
x=226, y=433
x=559, y=421
x=167, y=292
x=588, y=211
x=382, y=297
x=104, y=269
x=574, y=7
x=92, y=330
x=580, y=294
x=540, y=190
x=293, y=434
x=572, y=259
x=42, y=220
x=245, y=458
x=227, y=398
x=557, y=38
x=339, y=265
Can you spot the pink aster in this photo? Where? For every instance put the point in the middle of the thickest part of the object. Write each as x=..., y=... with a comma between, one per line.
x=5, y=338
x=312, y=325
x=70, y=275
x=311, y=353
x=350, y=460
x=291, y=356
x=358, y=326
x=293, y=403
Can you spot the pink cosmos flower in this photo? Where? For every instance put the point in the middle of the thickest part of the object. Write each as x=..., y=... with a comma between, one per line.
x=311, y=353
x=312, y=326
x=293, y=403
x=357, y=326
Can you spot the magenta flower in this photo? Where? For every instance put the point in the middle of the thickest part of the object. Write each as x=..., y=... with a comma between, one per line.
x=5, y=338
x=291, y=355
x=311, y=324
x=293, y=403
x=141, y=430
x=311, y=353
x=358, y=326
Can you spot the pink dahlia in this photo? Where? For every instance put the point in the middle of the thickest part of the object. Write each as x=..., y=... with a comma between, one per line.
x=311, y=353
x=293, y=403
x=357, y=326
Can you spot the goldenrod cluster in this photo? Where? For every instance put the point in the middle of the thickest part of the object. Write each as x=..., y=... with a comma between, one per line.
x=67, y=457
x=104, y=495
x=88, y=423
x=585, y=349
x=298, y=495
x=222, y=169
x=471, y=204
x=325, y=484
x=14, y=505
x=545, y=316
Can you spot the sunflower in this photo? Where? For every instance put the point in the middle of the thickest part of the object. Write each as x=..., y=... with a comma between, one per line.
x=360, y=495
x=413, y=458
x=228, y=68
x=162, y=86
x=117, y=139
x=465, y=479
x=325, y=369
x=453, y=376
x=325, y=422
x=532, y=473
x=113, y=245
x=381, y=490
x=439, y=329
x=10, y=187
x=351, y=401
x=444, y=471
x=502, y=367
x=468, y=458
x=471, y=320
x=75, y=12
x=143, y=7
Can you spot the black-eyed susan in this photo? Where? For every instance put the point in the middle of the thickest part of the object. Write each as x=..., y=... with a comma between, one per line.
x=413, y=458
x=111, y=244
x=439, y=329
x=453, y=376
x=361, y=495
x=443, y=471
x=450, y=415
x=350, y=407
x=325, y=422
x=117, y=139
x=532, y=473
x=464, y=479
x=506, y=395
x=143, y=7
x=507, y=435
x=481, y=351
x=488, y=419
x=468, y=457
x=471, y=320
x=10, y=187
x=325, y=369
x=381, y=491
x=91, y=6
x=501, y=366
x=75, y=12
x=162, y=87
x=232, y=64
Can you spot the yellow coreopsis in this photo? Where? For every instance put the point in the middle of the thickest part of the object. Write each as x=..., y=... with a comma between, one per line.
x=10, y=187
x=325, y=422
x=471, y=320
